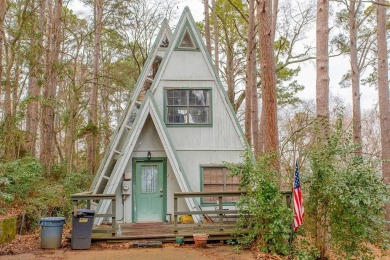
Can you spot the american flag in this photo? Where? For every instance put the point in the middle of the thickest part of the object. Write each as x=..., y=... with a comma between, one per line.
x=299, y=211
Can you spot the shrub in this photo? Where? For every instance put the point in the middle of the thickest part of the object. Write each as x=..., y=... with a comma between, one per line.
x=5, y=197
x=20, y=178
x=22, y=185
x=263, y=210
x=346, y=199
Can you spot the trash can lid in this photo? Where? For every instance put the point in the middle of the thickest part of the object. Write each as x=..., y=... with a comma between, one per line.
x=85, y=212
x=52, y=221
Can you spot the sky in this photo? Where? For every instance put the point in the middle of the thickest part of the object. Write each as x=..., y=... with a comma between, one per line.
x=307, y=77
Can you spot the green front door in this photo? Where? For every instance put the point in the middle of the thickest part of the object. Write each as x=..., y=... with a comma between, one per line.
x=149, y=201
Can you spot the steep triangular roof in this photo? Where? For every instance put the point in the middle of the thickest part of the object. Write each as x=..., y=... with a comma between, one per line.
x=134, y=119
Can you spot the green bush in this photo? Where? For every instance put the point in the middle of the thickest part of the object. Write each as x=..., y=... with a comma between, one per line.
x=346, y=199
x=263, y=211
x=22, y=185
x=19, y=179
x=5, y=196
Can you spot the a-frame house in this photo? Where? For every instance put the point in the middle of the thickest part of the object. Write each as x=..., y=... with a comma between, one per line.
x=176, y=133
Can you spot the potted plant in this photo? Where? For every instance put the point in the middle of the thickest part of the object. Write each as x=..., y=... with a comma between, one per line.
x=200, y=238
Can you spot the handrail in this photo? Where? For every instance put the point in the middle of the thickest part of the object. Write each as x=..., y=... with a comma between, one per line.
x=220, y=212
x=88, y=196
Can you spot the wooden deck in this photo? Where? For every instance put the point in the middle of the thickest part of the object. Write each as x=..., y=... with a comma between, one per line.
x=162, y=232
x=220, y=228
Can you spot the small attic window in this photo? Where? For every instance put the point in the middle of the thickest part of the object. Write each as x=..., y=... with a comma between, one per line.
x=165, y=42
x=187, y=42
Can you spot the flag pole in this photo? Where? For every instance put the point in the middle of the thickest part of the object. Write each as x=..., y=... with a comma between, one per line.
x=292, y=223
x=298, y=208
x=291, y=242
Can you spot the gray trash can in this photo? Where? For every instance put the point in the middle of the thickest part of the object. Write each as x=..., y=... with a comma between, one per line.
x=51, y=231
x=82, y=229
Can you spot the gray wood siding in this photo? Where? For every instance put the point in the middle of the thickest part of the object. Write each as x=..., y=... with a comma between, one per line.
x=187, y=65
x=193, y=160
x=148, y=139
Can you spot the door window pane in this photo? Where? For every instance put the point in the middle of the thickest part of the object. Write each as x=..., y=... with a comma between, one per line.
x=149, y=179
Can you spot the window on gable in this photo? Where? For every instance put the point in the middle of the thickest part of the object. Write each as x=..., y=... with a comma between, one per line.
x=188, y=106
x=165, y=42
x=218, y=179
x=154, y=68
x=187, y=41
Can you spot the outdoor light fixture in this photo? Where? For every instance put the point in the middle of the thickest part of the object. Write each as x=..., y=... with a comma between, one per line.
x=149, y=155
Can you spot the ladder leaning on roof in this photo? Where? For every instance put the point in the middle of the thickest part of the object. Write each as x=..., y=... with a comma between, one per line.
x=104, y=182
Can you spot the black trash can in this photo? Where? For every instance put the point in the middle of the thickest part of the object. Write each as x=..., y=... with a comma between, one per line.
x=82, y=229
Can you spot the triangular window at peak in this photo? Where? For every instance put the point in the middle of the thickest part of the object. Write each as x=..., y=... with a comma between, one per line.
x=187, y=40
x=165, y=42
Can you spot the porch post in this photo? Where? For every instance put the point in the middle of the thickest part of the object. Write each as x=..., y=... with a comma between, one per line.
x=175, y=213
x=220, y=212
x=113, y=209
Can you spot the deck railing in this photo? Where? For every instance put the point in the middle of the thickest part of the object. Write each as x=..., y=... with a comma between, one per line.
x=88, y=196
x=220, y=211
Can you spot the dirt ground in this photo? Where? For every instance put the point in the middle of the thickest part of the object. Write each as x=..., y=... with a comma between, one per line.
x=27, y=247
x=167, y=252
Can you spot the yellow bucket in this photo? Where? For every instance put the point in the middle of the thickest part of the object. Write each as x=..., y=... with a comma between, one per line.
x=186, y=219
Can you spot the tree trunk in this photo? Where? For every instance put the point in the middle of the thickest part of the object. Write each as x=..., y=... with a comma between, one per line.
x=229, y=75
x=322, y=102
x=32, y=113
x=260, y=138
x=11, y=86
x=322, y=64
x=70, y=135
x=355, y=77
x=268, y=82
x=49, y=93
x=3, y=7
x=207, y=25
x=92, y=146
x=19, y=145
x=216, y=36
x=249, y=75
x=275, y=6
x=106, y=111
x=255, y=106
x=229, y=67
x=8, y=131
x=383, y=92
